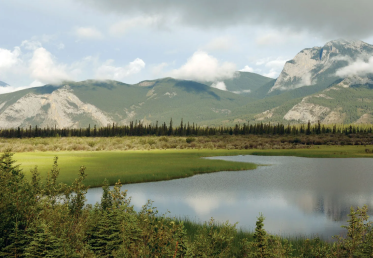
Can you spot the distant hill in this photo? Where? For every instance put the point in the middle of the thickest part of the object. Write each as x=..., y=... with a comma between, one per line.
x=77, y=104
x=3, y=84
x=245, y=82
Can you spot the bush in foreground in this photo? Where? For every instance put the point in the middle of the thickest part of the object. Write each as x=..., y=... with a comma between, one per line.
x=47, y=219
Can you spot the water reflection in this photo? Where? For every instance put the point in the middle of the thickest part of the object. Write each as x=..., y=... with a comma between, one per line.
x=296, y=195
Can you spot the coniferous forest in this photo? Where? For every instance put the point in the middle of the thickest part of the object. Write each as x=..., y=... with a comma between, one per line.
x=188, y=129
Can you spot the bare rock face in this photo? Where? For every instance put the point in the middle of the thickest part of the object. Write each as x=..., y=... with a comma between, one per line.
x=297, y=72
x=266, y=114
x=304, y=112
x=365, y=119
x=335, y=117
x=57, y=108
x=312, y=65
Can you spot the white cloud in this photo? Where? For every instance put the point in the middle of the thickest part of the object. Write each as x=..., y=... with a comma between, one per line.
x=203, y=67
x=273, y=66
x=271, y=38
x=219, y=86
x=60, y=46
x=36, y=83
x=122, y=27
x=220, y=43
x=80, y=67
x=44, y=69
x=37, y=66
x=277, y=63
x=241, y=91
x=262, y=61
x=9, y=58
x=9, y=89
x=267, y=39
x=109, y=71
x=272, y=73
x=46, y=38
x=203, y=205
x=247, y=69
x=157, y=70
x=359, y=68
x=31, y=44
x=88, y=33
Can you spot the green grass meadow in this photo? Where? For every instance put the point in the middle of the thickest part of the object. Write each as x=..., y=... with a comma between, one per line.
x=156, y=165
x=130, y=166
x=321, y=151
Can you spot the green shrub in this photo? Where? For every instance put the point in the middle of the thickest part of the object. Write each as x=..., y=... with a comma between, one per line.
x=163, y=139
x=190, y=139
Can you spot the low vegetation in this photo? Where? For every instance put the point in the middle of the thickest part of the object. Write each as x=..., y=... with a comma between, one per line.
x=227, y=142
x=44, y=218
x=131, y=166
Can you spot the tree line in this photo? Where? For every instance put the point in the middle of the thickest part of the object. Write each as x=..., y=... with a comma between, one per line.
x=137, y=128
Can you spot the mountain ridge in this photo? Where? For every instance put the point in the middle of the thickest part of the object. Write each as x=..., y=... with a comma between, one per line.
x=309, y=88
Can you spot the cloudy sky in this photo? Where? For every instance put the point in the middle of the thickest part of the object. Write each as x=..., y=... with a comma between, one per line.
x=45, y=41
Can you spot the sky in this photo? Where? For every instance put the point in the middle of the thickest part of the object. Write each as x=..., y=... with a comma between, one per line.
x=47, y=42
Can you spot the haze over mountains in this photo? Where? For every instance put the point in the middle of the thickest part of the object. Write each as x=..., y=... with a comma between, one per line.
x=3, y=84
x=332, y=84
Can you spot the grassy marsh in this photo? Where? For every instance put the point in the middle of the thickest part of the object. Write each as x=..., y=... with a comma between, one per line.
x=322, y=151
x=130, y=166
x=156, y=165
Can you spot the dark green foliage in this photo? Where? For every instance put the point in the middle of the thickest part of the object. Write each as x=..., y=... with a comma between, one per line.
x=31, y=213
x=7, y=167
x=75, y=195
x=45, y=244
x=265, y=245
x=107, y=199
x=17, y=205
x=260, y=238
x=212, y=241
x=17, y=241
x=189, y=130
x=190, y=139
x=104, y=236
x=358, y=242
x=51, y=189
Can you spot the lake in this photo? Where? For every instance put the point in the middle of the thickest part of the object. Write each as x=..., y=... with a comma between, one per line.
x=297, y=196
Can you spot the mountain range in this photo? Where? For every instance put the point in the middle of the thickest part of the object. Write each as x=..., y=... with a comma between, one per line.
x=331, y=84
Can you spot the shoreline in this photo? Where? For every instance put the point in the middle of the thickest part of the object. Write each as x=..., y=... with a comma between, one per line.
x=138, y=166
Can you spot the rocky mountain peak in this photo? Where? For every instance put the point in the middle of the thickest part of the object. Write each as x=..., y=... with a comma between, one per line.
x=319, y=64
x=346, y=43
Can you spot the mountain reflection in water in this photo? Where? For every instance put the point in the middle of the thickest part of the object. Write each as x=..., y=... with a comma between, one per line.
x=305, y=196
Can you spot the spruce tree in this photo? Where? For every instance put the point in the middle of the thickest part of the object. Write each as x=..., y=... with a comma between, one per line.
x=107, y=199
x=260, y=237
x=45, y=244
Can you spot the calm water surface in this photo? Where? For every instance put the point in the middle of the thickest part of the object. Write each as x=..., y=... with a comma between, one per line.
x=304, y=196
